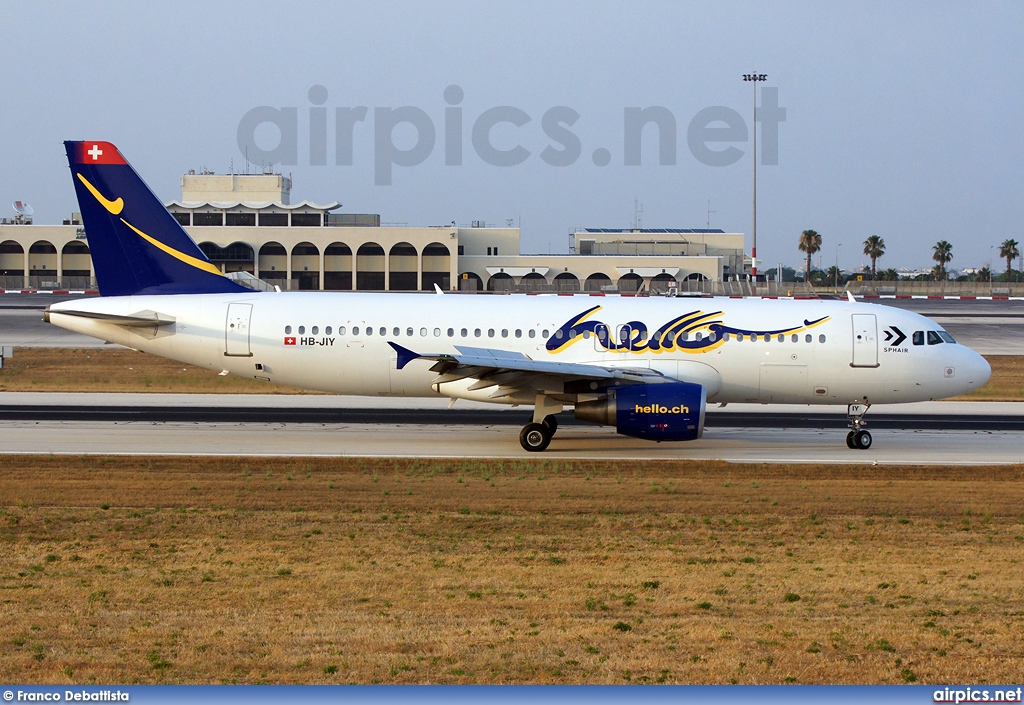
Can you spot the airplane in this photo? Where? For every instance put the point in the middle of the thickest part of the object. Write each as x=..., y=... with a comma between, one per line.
x=647, y=366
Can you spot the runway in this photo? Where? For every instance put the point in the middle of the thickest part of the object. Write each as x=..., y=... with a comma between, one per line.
x=938, y=433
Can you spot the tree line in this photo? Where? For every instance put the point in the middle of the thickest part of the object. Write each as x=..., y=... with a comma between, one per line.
x=874, y=248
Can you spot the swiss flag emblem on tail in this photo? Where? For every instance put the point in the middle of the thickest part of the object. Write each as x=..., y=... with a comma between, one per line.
x=289, y=340
x=99, y=153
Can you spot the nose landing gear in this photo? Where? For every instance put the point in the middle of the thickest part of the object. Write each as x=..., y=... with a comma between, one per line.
x=858, y=438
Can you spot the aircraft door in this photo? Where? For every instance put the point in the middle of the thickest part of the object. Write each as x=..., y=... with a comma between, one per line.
x=602, y=337
x=865, y=340
x=236, y=335
x=625, y=340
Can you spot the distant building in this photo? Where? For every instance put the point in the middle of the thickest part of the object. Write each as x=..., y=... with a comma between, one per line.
x=246, y=222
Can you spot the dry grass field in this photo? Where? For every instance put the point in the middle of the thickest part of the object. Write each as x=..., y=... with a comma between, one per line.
x=177, y=570
x=121, y=370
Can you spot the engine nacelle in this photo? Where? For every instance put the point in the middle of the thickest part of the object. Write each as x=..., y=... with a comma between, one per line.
x=657, y=412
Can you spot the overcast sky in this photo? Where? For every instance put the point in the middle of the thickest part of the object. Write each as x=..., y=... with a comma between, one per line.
x=902, y=119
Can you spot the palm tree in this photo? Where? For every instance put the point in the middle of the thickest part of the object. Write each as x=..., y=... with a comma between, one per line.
x=889, y=275
x=810, y=242
x=942, y=253
x=984, y=274
x=874, y=247
x=1008, y=250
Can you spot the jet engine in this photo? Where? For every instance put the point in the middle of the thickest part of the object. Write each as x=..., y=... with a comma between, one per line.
x=673, y=411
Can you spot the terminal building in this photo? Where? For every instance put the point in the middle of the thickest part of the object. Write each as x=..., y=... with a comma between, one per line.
x=247, y=223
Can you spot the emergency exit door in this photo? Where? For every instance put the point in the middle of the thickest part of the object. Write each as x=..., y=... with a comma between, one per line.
x=236, y=334
x=865, y=340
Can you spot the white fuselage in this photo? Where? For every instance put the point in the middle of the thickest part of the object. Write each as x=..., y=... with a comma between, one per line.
x=833, y=352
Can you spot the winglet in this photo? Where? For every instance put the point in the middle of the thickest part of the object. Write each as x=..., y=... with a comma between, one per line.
x=437, y=289
x=405, y=355
x=849, y=295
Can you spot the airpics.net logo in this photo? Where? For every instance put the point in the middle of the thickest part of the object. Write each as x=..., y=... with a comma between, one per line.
x=270, y=135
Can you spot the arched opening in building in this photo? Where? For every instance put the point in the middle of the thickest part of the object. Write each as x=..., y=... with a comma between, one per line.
x=236, y=257
x=500, y=282
x=470, y=281
x=75, y=265
x=306, y=266
x=694, y=281
x=402, y=267
x=661, y=283
x=532, y=281
x=42, y=265
x=437, y=267
x=597, y=282
x=630, y=283
x=338, y=267
x=12, y=265
x=567, y=282
x=370, y=267
x=274, y=264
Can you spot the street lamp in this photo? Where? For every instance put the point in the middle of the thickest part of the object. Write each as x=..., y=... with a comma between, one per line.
x=754, y=78
x=836, y=273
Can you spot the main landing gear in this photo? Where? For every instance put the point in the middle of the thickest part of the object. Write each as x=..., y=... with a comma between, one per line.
x=858, y=438
x=535, y=437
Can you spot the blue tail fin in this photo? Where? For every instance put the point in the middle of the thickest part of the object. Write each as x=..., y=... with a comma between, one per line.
x=137, y=246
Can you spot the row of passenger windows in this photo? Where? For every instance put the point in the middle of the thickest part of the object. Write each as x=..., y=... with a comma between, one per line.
x=625, y=334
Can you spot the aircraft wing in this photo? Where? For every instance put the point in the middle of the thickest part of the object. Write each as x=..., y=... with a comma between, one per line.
x=489, y=363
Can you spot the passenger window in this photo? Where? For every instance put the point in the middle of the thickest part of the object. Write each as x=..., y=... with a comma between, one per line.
x=918, y=337
x=559, y=334
x=807, y=338
x=476, y=332
x=519, y=333
x=686, y=336
x=572, y=333
x=727, y=336
x=451, y=332
x=504, y=332
x=767, y=338
x=712, y=337
x=369, y=330
x=355, y=330
x=287, y=330
x=544, y=334
x=341, y=330
x=699, y=336
x=464, y=332
x=490, y=332
x=782, y=338
x=327, y=330
x=532, y=332
x=408, y=332
x=933, y=338
x=423, y=332
x=795, y=338
x=396, y=331
x=383, y=330
x=302, y=330
x=316, y=330
x=437, y=332
x=821, y=338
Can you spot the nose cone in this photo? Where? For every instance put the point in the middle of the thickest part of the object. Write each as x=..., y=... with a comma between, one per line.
x=976, y=371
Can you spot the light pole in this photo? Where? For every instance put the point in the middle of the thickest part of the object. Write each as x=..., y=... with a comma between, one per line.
x=754, y=78
x=836, y=273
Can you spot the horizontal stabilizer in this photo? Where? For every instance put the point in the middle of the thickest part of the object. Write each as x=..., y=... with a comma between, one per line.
x=142, y=319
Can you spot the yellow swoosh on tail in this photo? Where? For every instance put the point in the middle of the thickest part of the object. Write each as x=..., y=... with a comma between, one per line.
x=113, y=207
x=187, y=259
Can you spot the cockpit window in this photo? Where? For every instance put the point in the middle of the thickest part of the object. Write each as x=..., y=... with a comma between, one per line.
x=918, y=337
x=946, y=336
x=933, y=338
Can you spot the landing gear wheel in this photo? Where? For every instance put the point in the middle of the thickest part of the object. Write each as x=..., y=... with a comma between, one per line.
x=861, y=440
x=849, y=440
x=534, y=437
x=551, y=424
